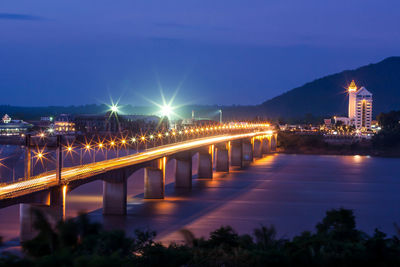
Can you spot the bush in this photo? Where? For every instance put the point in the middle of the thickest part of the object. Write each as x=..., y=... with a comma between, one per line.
x=336, y=242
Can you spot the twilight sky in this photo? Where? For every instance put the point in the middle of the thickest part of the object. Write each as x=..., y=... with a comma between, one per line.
x=217, y=52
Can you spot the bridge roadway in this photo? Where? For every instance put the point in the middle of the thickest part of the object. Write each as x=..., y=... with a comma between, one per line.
x=48, y=180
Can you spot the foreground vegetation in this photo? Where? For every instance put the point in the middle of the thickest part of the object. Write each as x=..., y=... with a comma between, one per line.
x=335, y=242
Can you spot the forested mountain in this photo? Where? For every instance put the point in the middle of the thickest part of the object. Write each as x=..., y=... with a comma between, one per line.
x=327, y=96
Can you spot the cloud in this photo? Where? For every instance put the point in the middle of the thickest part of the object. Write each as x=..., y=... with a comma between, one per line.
x=13, y=16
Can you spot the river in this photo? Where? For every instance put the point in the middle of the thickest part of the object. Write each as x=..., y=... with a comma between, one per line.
x=292, y=192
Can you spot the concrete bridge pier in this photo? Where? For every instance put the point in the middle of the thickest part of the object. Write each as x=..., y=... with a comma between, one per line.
x=114, y=195
x=236, y=153
x=183, y=170
x=154, y=180
x=265, y=147
x=50, y=204
x=257, y=148
x=205, y=163
x=222, y=158
x=247, y=152
x=273, y=142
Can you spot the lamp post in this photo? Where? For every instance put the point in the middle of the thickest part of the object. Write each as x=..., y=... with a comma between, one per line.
x=220, y=116
x=59, y=159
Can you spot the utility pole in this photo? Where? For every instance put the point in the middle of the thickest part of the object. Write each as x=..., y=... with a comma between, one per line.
x=28, y=156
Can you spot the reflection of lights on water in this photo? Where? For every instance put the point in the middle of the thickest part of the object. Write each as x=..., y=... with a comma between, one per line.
x=357, y=158
x=64, y=196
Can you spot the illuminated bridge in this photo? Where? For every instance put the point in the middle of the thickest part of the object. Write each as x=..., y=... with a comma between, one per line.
x=198, y=151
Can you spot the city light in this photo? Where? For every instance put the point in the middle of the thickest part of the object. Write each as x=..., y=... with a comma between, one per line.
x=166, y=110
x=114, y=108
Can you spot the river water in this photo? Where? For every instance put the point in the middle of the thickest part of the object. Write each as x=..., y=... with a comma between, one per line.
x=292, y=192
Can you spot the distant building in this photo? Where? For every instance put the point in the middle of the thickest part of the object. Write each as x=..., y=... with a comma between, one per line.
x=328, y=123
x=46, y=118
x=111, y=123
x=64, y=124
x=360, y=107
x=343, y=120
x=13, y=127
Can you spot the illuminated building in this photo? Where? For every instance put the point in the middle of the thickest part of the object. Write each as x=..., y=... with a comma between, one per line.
x=63, y=124
x=360, y=107
x=13, y=127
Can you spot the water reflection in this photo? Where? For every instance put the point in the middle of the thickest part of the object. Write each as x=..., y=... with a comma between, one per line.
x=290, y=191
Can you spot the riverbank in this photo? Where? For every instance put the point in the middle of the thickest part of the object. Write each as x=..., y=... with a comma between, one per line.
x=340, y=152
x=317, y=145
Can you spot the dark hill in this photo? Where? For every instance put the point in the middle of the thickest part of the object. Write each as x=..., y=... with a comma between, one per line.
x=327, y=96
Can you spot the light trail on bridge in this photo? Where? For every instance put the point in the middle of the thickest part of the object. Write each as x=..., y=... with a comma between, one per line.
x=48, y=180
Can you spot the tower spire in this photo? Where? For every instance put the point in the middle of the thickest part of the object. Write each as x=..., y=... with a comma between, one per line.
x=352, y=86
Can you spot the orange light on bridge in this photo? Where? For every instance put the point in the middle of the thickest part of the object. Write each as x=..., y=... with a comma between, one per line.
x=123, y=141
x=143, y=138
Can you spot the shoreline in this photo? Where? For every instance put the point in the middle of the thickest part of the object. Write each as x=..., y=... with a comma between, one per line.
x=322, y=152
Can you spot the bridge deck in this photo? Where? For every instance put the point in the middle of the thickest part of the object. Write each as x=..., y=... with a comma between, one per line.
x=47, y=180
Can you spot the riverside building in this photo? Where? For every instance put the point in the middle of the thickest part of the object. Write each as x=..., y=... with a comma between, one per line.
x=360, y=107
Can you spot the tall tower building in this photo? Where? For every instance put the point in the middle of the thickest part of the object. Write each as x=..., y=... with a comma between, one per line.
x=360, y=107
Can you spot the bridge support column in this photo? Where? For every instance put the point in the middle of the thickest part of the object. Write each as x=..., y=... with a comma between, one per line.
x=257, y=148
x=222, y=159
x=153, y=183
x=265, y=146
x=205, y=166
x=114, y=196
x=183, y=173
x=236, y=153
x=50, y=205
x=273, y=142
x=247, y=152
